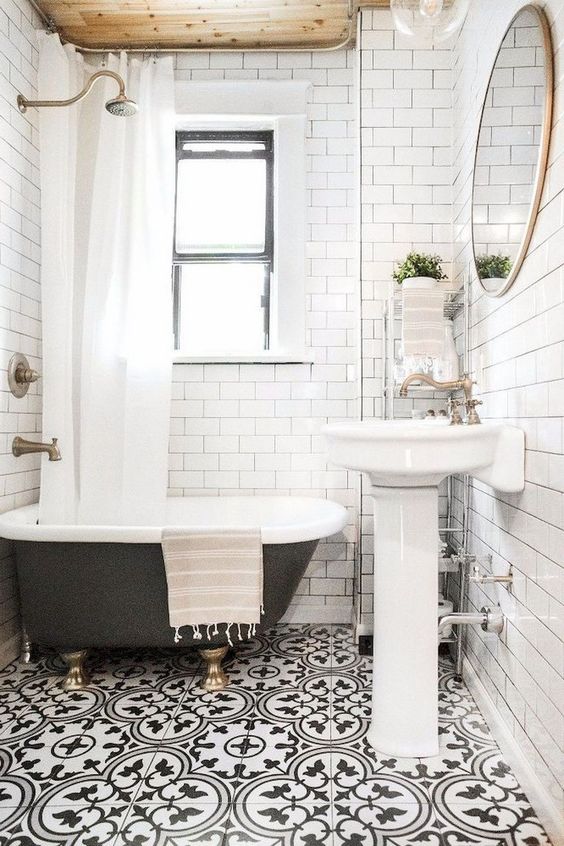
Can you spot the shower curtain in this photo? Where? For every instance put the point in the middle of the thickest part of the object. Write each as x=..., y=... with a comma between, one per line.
x=114, y=307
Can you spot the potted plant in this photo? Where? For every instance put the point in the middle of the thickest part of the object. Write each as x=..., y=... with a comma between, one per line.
x=419, y=270
x=496, y=268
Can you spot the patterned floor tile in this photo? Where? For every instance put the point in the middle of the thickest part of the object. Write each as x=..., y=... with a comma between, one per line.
x=206, y=768
x=79, y=825
x=18, y=697
x=290, y=824
x=44, y=663
x=280, y=758
x=490, y=824
x=286, y=655
x=344, y=652
x=50, y=704
x=351, y=704
x=233, y=704
x=273, y=776
x=373, y=823
x=485, y=777
x=126, y=669
x=361, y=775
x=178, y=824
x=302, y=710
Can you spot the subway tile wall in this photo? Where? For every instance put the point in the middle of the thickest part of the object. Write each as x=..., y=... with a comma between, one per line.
x=406, y=199
x=518, y=347
x=255, y=428
x=20, y=318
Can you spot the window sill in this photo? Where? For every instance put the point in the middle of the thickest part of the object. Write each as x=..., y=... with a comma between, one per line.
x=259, y=358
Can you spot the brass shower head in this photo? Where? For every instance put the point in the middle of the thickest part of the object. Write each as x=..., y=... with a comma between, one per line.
x=120, y=106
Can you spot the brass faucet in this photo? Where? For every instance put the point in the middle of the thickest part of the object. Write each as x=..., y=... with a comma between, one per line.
x=23, y=447
x=463, y=384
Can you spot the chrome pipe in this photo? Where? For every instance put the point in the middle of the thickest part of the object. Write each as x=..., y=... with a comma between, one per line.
x=490, y=621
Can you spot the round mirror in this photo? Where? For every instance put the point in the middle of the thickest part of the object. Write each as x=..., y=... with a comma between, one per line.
x=512, y=150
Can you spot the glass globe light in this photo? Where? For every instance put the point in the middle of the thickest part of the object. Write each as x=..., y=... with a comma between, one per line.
x=436, y=18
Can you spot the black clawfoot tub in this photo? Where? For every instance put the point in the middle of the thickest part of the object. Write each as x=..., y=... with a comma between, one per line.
x=92, y=586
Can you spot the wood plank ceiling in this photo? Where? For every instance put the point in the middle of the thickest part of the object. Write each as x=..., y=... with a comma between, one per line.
x=203, y=24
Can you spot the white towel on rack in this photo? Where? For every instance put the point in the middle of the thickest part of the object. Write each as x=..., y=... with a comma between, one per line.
x=423, y=323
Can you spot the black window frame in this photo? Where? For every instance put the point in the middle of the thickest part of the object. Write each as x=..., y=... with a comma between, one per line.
x=266, y=257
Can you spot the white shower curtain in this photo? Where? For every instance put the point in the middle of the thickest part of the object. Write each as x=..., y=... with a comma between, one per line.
x=60, y=77
x=119, y=323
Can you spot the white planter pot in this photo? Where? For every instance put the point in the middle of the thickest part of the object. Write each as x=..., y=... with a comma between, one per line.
x=421, y=283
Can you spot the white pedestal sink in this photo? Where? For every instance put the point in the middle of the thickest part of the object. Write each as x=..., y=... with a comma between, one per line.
x=405, y=462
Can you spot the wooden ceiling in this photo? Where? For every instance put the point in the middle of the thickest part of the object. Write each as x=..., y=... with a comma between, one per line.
x=203, y=24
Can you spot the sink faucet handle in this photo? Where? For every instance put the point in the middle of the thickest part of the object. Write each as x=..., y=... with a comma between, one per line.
x=454, y=406
x=473, y=416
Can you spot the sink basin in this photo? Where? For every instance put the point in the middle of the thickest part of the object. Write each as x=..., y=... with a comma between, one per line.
x=405, y=461
x=420, y=452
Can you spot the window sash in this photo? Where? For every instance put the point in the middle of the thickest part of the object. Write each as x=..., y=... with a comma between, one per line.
x=266, y=257
x=177, y=301
x=267, y=154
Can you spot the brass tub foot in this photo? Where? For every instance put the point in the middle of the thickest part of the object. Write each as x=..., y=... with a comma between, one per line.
x=77, y=678
x=215, y=679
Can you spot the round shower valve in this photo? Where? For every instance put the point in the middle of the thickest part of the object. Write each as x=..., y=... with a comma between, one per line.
x=20, y=375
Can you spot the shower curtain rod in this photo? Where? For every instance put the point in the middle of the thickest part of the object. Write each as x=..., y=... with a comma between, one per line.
x=351, y=17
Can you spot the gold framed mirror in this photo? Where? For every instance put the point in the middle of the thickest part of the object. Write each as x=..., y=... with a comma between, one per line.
x=512, y=150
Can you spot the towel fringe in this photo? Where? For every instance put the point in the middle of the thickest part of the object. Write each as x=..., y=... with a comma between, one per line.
x=212, y=629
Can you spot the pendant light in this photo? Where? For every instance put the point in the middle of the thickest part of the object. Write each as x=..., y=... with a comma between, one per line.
x=436, y=18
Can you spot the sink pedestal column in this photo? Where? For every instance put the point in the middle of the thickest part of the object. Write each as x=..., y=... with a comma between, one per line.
x=405, y=692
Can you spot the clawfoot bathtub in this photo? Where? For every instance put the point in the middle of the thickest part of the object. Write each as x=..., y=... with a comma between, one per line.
x=93, y=586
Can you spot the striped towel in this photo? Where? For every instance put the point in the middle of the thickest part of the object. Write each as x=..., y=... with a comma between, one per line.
x=423, y=323
x=213, y=577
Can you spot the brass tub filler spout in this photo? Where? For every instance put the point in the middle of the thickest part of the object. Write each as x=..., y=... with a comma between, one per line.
x=23, y=447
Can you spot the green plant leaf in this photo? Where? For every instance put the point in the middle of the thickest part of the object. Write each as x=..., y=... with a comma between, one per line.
x=493, y=267
x=419, y=264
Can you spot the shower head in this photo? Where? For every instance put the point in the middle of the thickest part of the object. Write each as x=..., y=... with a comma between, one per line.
x=121, y=105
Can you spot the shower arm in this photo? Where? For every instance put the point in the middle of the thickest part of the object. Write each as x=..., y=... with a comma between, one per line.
x=24, y=104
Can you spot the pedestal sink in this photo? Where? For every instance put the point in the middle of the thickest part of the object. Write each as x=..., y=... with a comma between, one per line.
x=405, y=462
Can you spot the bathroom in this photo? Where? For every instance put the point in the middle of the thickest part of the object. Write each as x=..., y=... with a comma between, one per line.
x=363, y=132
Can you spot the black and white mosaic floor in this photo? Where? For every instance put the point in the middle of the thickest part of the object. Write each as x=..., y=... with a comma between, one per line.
x=145, y=758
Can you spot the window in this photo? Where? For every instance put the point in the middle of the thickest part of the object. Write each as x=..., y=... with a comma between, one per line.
x=223, y=242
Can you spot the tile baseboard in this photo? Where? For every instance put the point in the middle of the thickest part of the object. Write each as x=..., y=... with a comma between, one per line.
x=318, y=614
